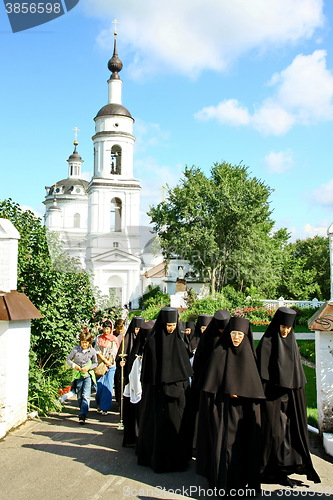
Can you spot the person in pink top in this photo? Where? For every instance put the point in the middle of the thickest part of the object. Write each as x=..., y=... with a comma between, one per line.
x=106, y=347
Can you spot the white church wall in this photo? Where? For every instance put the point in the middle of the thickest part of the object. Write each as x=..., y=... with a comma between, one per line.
x=70, y=209
x=115, y=123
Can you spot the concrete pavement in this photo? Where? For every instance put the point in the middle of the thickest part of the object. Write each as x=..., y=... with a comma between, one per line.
x=56, y=458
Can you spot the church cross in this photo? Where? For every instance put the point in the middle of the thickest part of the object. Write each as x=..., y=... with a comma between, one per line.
x=115, y=22
x=76, y=130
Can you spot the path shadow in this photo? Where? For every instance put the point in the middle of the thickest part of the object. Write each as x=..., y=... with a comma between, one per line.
x=98, y=445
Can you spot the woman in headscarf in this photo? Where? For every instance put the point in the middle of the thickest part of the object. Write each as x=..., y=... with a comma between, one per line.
x=106, y=347
x=228, y=441
x=284, y=419
x=163, y=442
x=133, y=387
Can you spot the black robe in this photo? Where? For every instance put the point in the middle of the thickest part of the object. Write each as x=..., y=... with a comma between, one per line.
x=205, y=347
x=163, y=442
x=188, y=337
x=129, y=338
x=131, y=411
x=284, y=419
x=228, y=433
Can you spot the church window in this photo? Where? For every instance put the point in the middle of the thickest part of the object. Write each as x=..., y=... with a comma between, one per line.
x=115, y=214
x=77, y=218
x=116, y=159
x=115, y=244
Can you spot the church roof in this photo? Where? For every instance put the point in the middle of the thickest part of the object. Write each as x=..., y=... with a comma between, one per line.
x=66, y=186
x=156, y=271
x=113, y=109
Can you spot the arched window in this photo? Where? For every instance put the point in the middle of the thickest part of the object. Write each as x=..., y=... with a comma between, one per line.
x=115, y=214
x=116, y=159
x=77, y=218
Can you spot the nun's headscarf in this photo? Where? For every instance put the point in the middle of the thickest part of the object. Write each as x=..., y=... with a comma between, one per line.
x=207, y=343
x=165, y=359
x=233, y=370
x=279, y=359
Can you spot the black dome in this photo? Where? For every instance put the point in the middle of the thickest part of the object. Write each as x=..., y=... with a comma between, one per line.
x=113, y=109
x=74, y=156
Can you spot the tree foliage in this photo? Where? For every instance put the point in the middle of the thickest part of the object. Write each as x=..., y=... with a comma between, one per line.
x=55, y=284
x=305, y=272
x=222, y=225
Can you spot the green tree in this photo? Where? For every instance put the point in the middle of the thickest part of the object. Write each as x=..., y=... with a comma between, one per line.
x=221, y=224
x=305, y=273
x=55, y=284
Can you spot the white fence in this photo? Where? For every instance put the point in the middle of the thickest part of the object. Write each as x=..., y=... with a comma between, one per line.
x=281, y=302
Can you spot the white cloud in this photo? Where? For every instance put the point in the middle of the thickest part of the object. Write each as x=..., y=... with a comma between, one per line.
x=189, y=36
x=311, y=231
x=229, y=112
x=304, y=95
x=279, y=162
x=86, y=176
x=149, y=135
x=324, y=194
x=153, y=177
x=306, y=88
x=307, y=231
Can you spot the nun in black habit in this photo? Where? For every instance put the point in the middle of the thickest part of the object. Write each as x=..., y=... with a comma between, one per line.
x=133, y=386
x=284, y=420
x=206, y=345
x=188, y=328
x=202, y=323
x=228, y=435
x=131, y=332
x=163, y=442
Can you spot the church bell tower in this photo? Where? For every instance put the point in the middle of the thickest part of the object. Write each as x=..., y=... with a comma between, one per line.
x=113, y=241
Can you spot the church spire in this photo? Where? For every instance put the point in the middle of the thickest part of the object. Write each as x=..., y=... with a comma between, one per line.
x=74, y=161
x=115, y=65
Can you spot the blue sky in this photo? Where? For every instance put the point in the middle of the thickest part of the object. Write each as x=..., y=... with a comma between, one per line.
x=206, y=81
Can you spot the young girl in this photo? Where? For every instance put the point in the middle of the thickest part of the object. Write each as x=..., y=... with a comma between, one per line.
x=83, y=359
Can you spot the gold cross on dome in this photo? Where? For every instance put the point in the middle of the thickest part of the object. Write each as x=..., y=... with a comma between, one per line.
x=76, y=130
x=115, y=22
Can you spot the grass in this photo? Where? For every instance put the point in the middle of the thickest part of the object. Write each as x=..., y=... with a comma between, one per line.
x=311, y=396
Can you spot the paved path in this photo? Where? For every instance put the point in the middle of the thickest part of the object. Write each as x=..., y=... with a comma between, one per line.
x=55, y=458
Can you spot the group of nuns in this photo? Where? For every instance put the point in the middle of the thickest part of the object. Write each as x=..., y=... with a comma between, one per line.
x=202, y=389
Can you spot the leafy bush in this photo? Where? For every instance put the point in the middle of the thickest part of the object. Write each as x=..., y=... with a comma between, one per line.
x=238, y=299
x=256, y=315
x=154, y=296
x=307, y=349
x=151, y=312
x=231, y=300
x=304, y=314
x=43, y=389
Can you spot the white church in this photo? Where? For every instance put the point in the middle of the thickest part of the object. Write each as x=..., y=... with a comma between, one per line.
x=98, y=221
